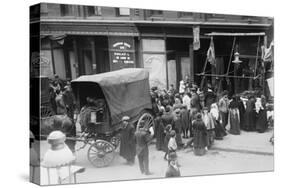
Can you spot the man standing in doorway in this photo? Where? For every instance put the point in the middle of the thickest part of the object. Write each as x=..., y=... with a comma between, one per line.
x=143, y=137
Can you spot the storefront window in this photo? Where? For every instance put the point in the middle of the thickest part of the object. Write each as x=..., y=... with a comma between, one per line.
x=153, y=45
x=154, y=60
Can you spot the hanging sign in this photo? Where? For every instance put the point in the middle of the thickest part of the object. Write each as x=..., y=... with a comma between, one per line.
x=122, y=52
x=196, y=37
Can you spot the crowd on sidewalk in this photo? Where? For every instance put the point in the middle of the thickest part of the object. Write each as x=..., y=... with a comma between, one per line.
x=190, y=117
x=203, y=116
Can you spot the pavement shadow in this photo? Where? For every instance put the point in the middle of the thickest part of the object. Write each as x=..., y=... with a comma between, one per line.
x=24, y=177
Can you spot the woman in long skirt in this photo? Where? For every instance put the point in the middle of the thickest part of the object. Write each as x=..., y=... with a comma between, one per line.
x=219, y=130
x=261, y=125
x=159, y=132
x=250, y=115
x=200, y=141
x=234, y=118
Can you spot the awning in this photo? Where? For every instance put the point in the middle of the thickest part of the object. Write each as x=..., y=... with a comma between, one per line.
x=75, y=28
x=234, y=34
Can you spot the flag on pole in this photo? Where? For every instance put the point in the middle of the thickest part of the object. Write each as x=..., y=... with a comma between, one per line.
x=211, y=57
x=270, y=85
x=196, y=37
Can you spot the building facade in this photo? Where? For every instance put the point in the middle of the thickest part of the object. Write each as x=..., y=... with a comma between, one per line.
x=78, y=40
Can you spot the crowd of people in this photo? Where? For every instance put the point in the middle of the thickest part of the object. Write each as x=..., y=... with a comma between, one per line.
x=61, y=99
x=202, y=116
x=190, y=117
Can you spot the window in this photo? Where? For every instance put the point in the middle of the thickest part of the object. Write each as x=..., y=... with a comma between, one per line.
x=185, y=14
x=66, y=10
x=123, y=11
x=216, y=16
x=93, y=11
x=155, y=12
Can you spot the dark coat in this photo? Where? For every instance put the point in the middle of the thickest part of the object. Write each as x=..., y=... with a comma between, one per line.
x=195, y=101
x=159, y=133
x=210, y=98
x=143, y=137
x=172, y=172
x=241, y=109
x=185, y=119
x=261, y=124
x=167, y=118
x=250, y=115
x=200, y=134
x=128, y=145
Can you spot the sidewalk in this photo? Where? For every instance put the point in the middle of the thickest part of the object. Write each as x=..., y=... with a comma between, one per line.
x=246, y=142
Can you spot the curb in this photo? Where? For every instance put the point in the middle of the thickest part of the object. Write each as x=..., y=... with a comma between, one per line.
x=243, y=151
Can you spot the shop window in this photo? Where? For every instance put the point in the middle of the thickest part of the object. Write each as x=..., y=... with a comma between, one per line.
x=123, y=11
x=93, y=11
x=66, y=10
x=154, y=60
x=156, y=13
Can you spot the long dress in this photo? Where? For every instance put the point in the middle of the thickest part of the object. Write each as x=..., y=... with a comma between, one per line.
x=250, y=115
x=178, y=129
x=234, y=121
x=219, y=130
x=159, y=134
x=200, y=135
x=128, y=145
x=241, y=109
x=261, y=125
x=185, y=121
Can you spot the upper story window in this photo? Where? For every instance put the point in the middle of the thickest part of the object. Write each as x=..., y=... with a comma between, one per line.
x=123, y=11
x=93, y=11
x=215, y=16
x=185, y=14
x=155, y=12
x=66, y=10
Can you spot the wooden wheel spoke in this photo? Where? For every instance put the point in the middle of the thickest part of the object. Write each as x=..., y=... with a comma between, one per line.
x=101, y=153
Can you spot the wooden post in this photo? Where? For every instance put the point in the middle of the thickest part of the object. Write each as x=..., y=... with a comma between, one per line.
x=75, y=49
x=231, y=53
x=53, y=58
x=93, y=49
x=191, y=55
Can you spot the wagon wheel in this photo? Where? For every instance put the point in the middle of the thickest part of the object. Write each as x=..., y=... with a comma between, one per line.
x=115, y=141
x=101, y=153
x=147, y=118
x=45, y=112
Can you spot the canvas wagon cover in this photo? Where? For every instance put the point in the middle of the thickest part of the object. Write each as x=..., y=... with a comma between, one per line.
x=127, y=91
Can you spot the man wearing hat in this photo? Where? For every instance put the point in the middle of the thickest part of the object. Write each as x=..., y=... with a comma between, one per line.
x=143, y=137
x=128, y=145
